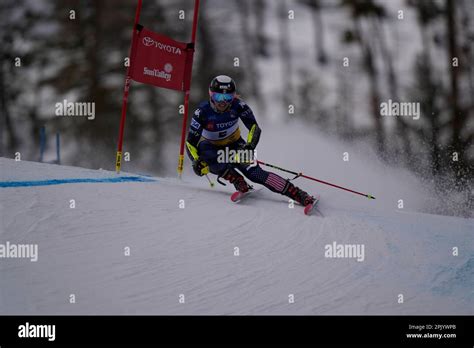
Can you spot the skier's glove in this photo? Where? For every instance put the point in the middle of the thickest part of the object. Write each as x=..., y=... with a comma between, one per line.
x=247, y=146
x=200, y=167
x=248, y=156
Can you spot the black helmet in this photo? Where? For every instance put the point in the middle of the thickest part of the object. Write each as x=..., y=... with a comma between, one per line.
x=222, y=84
x=221, y=92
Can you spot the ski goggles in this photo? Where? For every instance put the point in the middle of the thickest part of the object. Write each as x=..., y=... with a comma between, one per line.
x=222, y=97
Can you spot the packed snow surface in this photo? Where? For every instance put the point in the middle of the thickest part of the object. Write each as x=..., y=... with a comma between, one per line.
x=182, y=238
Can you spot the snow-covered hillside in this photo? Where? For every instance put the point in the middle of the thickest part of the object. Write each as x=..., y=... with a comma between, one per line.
x=191, y=250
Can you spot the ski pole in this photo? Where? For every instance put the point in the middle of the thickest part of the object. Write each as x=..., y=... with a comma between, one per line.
x=297, y=175
x=210, y=181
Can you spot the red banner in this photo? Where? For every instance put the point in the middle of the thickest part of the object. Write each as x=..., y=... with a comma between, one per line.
x=160, y=61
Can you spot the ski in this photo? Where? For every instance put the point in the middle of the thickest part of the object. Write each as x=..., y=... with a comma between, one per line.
x=238, y=196
x=308, y=209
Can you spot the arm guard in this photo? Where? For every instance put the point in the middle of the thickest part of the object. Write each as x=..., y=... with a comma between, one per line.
x=192, y=151
x=254, y=136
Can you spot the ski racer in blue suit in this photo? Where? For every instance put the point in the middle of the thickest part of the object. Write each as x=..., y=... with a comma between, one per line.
x=215, y=131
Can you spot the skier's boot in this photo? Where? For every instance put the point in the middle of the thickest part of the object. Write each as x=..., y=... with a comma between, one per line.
x=238, y=180
x=297, y=194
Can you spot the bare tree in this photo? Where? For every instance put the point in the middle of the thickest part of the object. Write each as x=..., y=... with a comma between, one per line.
x=249, y=49
x=260, y=36
x=316, y=8
x=285, y=54
x=369, y=11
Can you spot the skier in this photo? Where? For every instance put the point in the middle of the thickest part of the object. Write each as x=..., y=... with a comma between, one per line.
x=215, y=127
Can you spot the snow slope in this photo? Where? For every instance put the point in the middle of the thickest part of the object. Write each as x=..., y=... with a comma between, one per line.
x=190, y=251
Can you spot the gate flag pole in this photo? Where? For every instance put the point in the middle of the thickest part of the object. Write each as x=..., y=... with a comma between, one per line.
x=186, y=94
x=118, y=160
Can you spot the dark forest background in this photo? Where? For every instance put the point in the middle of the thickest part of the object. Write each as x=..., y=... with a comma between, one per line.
x=82, y=59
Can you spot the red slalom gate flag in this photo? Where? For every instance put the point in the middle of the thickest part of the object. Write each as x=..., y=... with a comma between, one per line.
x=160, y=61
